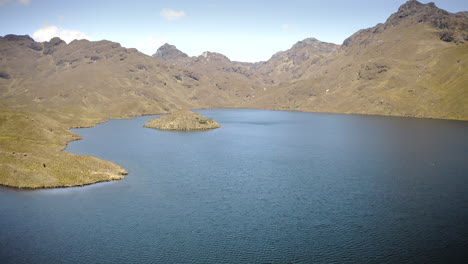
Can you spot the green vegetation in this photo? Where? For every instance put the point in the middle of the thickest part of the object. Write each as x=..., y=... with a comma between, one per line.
x=205, y=121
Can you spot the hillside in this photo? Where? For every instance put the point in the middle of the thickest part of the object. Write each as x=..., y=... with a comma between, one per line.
x=414, y=64
x=407, y=66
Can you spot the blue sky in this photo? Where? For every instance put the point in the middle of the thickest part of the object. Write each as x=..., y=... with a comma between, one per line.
x=241, y=30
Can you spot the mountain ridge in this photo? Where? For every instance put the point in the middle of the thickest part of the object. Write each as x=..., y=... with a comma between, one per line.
x=239, y=83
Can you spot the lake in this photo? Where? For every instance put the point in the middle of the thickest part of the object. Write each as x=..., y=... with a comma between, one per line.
x=266, y=187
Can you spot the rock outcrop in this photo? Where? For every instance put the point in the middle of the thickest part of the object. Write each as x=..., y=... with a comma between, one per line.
x=169, y=52
x=450, y=27
x=183, y=120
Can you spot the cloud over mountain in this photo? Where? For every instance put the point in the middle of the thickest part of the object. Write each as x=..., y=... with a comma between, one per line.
x=47, y=32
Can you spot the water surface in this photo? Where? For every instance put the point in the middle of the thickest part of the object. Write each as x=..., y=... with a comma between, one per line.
x=266, y=187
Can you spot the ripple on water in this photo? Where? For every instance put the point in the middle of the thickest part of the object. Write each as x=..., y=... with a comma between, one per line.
x=267, y=187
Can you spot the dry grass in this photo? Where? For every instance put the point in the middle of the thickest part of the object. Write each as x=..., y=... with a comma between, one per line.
x=31, y=156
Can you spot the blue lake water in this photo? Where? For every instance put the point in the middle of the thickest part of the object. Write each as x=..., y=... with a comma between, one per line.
x=266, y=187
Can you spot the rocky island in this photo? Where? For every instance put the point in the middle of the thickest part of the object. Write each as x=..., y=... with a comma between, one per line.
x=184, y=120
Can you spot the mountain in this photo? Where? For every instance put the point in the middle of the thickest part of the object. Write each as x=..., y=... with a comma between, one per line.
x=414, y=64
x=169, y=53
x=293, y=63
x=119, y=81
x=405, y=67
x=239, y=79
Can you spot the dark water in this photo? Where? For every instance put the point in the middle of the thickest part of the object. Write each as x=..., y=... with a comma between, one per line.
x=267, y=187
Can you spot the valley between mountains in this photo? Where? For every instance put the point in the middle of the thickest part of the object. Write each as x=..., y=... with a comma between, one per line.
x=414, y=64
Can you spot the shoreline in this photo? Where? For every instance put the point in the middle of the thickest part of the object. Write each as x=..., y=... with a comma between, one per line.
x=56, y=187
x=101, y=121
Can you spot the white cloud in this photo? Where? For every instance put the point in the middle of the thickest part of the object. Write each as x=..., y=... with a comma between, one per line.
x=24, y=2
x=170, y=14
x=148, y=45
x=47, y=32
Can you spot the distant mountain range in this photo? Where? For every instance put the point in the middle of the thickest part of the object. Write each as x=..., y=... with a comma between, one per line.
x=414, y=64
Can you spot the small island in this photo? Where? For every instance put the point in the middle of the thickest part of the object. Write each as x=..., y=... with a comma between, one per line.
x=184, y=120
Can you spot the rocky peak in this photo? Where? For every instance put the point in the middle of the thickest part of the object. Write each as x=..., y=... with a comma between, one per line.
x=313, y=43
x=53, y=45
x=415, y=12
x=22, y=40
x=169, y=52
x=451, y=27
x=12, y=37
x=214, y=56
x=55, y=42
x=411, y=5
x=305, y=49
x=305, y=42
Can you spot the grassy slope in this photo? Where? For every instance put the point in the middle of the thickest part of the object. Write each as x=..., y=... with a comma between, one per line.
x=31, y=156
x=422, y=77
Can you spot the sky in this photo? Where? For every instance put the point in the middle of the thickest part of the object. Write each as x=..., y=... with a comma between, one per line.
x=243, y=30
